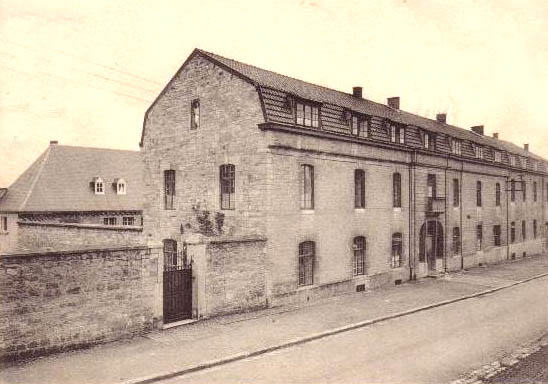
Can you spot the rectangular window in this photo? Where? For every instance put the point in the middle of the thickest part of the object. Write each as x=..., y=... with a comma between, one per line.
x=307, y=189
x=396, y=189
x=364, y=128
x=358, y=266
x=478, y=194
x=4, y=224
x=524, y=230
x=307, y=252
x=456, y=147
x=456, y=193
x=456, y=240
x=497, y=194
x=227, y=186
x=478, y=152
x=479, y=237
x=109, y=221
x=195, y=114
x=513, y=232
x=359, y=188
x=512, y=190
x=426, y=141
x=307, y=115
x=496, y=236
x=169, y=188
x=498, y=157
x=534, y=191
x=512, y=160
x=534, y=229
x=397, y=250
x=524, y=190
x=431, y=190
x=128, y=220
x=355, y=125
x=397, y=134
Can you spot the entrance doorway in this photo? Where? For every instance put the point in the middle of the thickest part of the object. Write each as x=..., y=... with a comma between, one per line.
x=177, y=283
x=431, y=244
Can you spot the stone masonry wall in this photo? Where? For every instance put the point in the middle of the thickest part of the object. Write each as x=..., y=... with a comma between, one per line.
x=235, y=277
x=33, y=235
x=58, y=301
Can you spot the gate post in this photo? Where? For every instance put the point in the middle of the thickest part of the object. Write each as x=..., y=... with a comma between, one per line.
x=197, y=252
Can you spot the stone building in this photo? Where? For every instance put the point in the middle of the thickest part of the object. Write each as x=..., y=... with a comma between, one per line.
x=74, y=197
x=303, y=191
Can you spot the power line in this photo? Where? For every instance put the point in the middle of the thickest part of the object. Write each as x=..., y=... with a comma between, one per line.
x=56, y=50
x=73, y=81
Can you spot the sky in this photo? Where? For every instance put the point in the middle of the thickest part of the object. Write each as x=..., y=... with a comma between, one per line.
x=84, y=72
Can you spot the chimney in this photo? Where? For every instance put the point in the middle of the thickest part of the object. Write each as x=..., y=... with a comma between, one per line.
x=393, y=102
x=441, y=118
x=478, y=129
x=357, y=92
x=496, y=135
x=53, y=142
x=526, y=147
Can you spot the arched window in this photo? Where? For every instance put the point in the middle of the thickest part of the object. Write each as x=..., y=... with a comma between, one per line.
x=307, y=187
x=358, y=264
x=359, y=188
x=307, y=253
x=120, y=186
x=396, y=190
x=227, y=187
x=397, y=250
x=497, y=195
x=478, y=194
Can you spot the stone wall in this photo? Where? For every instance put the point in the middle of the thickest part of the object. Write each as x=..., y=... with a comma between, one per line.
x=36, y=235
x=57, y=301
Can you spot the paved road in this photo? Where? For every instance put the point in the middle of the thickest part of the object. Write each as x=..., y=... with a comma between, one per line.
x=533, y=369
x=434, y=346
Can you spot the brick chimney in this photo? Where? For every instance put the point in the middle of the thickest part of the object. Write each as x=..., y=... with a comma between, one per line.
x=53, y=142
x=526, y=147
x=496, y=135
x=478, y=129
x=441, y=118
x=393, y=102
x=357, y=92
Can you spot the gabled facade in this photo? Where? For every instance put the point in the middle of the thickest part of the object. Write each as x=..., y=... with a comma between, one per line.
x=74, y=196
x=347, y=194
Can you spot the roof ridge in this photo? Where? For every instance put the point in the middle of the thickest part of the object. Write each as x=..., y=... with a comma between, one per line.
x=38, y=174
x=97, y=148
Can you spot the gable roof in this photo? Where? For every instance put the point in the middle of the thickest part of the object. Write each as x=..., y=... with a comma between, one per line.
x=313, y=92
x=59, y=181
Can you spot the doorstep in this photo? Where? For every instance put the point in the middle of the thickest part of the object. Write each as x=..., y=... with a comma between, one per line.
x=179, y=323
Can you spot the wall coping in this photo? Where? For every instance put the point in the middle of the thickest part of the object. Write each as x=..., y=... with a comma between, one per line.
x=201, y=239
x=135, y=228
x=69, y=251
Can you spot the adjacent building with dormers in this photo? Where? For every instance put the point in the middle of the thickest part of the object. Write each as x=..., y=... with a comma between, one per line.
x=343, y=193
x=74, y=197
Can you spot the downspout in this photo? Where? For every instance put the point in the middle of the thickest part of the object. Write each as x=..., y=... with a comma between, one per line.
x=411, y=243
x=414, y=161
x=445, y=217
x=507, y=218
x=461, y=203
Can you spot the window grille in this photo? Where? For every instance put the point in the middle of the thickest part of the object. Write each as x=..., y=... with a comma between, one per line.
x=358, y=266
x=227, y=180
x=307, y=251
x=397, y=250
x=169, y=188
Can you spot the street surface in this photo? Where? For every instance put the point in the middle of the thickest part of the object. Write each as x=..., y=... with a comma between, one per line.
x=532, y=369
x=433, y=346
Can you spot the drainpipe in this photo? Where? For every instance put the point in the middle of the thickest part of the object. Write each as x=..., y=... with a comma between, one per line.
x=461, y=208
x=507, y=217
x=445, y=216
x=412, y=210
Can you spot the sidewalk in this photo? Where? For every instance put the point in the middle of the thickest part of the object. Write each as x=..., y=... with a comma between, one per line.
x=172, y=350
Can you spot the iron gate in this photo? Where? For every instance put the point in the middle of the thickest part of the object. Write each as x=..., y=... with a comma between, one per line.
x=177, y=283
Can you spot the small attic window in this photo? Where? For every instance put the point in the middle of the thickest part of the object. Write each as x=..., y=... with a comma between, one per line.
x=120, y=186
x=98, y=186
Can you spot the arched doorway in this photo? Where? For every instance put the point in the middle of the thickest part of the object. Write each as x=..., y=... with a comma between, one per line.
x=431, y=243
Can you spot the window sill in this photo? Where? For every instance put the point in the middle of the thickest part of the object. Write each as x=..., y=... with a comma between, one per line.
x=4, y=233
x=359, y=210
x=306, y=287
x=397, y=210
x=307, y=211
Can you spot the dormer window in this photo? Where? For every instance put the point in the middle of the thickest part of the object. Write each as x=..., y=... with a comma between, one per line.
x=498, y=157
x=307, y=115
x=478, y=151
x=98, y=186
x=523, y=162
x=429, y=141
x=456, y=146
x=120, y=186
x=512, y=160
x=359, y=125
x=397, y=134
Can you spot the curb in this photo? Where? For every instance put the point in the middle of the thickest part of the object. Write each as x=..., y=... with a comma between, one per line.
x=319, y=335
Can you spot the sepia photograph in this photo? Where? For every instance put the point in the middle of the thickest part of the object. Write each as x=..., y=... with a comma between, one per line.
x=290, y=191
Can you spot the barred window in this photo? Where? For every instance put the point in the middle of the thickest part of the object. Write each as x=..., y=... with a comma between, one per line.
x=307, y=253
x=497, y=195
x=496, y=236
x=358, y=265
x=227, y=187
x=513, y=232
x=359, y=188
x=478, y=193
x=456, y=240
x=195, y=114
x=396, y=190
x=307, y=187
x=456, y=193
x=169, y=188
x=397, y=250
